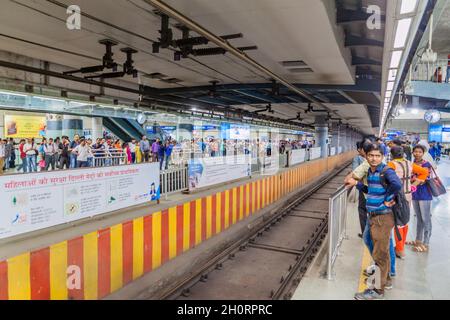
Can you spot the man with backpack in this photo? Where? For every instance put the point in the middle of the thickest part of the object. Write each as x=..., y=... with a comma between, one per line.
x=380, y=201
x=405, y=170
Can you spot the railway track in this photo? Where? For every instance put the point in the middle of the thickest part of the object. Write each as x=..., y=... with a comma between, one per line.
x=270, y=262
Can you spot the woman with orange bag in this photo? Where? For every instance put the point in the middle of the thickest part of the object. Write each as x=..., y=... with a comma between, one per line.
x=405, y=170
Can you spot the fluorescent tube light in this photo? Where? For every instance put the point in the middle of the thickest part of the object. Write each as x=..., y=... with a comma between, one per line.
x=395, y=59
x=390, y=86
x=408, y=6
x=402, y=32
x=392, y=75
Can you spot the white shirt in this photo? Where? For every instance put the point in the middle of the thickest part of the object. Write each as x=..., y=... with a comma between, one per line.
x=132, y=147
x=31, y=149
x=83, y=153
x=50, y=148
x=2, y=150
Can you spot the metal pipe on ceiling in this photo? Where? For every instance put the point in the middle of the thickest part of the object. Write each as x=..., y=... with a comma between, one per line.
x=161, y=99
x=192, y=25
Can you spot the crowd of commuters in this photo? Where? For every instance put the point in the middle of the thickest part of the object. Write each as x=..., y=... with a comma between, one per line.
x=295, y=145
x=383, y=172
x=65, y=153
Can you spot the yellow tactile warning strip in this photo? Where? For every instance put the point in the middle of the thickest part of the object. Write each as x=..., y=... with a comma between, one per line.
x=105, y=260
x=365, y=262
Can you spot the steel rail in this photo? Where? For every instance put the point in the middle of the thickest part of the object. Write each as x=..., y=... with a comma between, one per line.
x=183, y=286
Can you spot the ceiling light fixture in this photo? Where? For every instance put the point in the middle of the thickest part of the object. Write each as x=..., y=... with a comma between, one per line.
x=390, y=86
x=401, y=35
x=408, y=6
x=395, y=59
x=392, y=75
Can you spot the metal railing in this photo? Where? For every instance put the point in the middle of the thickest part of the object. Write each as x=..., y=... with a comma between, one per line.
x=337, y=220
x=426, y=71
x=109, y=158
x=174, y=180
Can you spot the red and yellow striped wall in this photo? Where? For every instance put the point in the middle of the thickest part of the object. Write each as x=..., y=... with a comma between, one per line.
x=96, y=264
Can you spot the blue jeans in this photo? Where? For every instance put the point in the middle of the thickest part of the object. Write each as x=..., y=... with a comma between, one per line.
x=73, y=161
x=90, y=162
x=161, y=161
x=31, y=163
x=7, y=162
x=447, y=77
x=422, y=208
x=23, y=165
x=368, y=242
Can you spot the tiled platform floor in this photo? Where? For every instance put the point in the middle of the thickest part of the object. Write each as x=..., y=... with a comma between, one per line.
x=420, y=276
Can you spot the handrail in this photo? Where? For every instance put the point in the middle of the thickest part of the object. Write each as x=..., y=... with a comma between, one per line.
x=337, y=220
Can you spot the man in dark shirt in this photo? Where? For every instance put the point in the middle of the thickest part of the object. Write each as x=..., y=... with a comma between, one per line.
x=64, y=156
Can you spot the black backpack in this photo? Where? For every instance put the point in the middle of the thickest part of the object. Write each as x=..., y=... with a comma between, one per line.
x=401, y=209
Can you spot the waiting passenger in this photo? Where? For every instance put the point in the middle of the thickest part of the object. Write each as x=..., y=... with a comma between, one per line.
x=405, y=170
x=381, y=219
x=422, y=205
x=357, y=161
x=83, y=152
x=360, y=174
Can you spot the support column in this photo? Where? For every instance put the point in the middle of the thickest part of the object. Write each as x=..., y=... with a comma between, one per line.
x=72, y=125
x=97, y=128
x=321, y=135
x=54, y=125
x=335, y=136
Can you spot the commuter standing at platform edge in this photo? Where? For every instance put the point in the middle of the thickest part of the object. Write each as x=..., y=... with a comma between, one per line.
x=357, y=161
x=72, y=146
x=155, y=151
x=2, y=156
x=144, y=146
x=381, y=218
x=422, y=199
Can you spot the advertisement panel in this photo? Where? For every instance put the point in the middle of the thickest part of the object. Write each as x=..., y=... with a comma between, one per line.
x=333, y=151
x=297, y=156
x=35, y=201
x=435, y=132
x=210, y=171
x=24, y=126
x=239, y=132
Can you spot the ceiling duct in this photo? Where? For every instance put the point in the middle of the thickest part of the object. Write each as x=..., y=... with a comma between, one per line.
x=108, y=61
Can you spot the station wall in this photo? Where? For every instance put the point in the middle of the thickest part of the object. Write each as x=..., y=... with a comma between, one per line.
x=108, y=259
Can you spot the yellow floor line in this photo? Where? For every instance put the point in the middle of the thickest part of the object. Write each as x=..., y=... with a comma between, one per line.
x=365, y=262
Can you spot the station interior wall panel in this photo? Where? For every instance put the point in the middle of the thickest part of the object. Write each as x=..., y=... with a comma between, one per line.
x=106, y=260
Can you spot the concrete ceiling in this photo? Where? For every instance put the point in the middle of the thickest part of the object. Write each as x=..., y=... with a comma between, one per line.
x=283, y=30
x=441, y=39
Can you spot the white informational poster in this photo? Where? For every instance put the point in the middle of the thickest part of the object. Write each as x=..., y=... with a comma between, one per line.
x=297, y=156
x=333, y=151
x=210, y=171
x=270, y=165
x=315, y=153
x=239, y=132
x=339, y=150
x=39, y=200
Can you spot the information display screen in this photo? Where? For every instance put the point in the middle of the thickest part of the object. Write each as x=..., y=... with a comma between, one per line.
x=446, y=135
